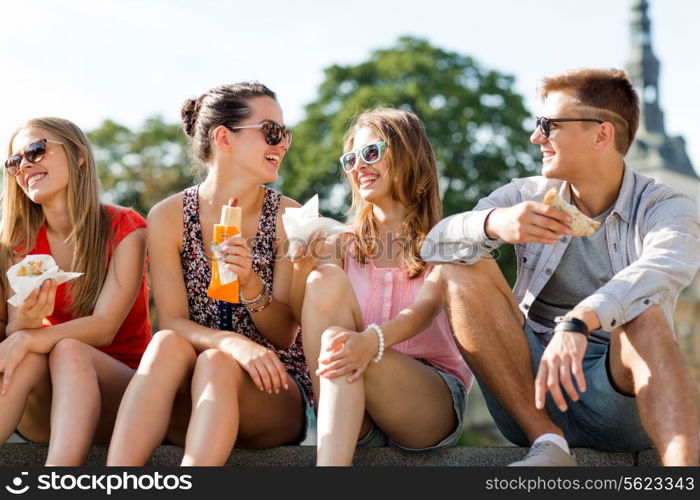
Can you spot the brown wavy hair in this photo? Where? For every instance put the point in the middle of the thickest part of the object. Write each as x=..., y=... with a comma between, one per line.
x=412, y=170
x=92, y=229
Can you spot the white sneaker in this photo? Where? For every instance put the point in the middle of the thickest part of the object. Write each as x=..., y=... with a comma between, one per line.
x=546, y=454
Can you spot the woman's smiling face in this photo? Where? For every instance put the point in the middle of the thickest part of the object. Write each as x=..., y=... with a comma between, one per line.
x=372, y=181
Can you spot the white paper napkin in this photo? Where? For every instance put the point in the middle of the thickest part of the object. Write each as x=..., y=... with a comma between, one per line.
x=300, y=223
x=24, y=285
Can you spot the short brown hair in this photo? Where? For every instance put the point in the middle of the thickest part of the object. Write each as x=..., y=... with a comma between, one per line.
x=606, y=92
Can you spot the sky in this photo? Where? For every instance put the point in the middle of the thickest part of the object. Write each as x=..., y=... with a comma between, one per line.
x=127, y=60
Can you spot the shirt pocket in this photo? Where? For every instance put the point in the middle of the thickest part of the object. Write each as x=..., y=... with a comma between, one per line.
x=528, y=255
x=527, y=258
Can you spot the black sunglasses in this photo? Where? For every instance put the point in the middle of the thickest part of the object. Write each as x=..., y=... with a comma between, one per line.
x=34, y=153
x=274, y=132
x=543, y=123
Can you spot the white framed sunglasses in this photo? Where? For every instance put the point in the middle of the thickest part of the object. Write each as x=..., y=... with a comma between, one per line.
x=371, y=153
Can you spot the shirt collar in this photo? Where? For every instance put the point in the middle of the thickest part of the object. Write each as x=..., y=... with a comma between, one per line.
x=623, y=204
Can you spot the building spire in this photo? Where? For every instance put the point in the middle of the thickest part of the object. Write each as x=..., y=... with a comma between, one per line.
x=643, y=68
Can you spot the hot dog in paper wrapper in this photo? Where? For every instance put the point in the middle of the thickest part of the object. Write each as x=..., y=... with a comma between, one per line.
x=28, y=275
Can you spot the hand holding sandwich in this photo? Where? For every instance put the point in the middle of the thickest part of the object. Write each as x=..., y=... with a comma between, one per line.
x=533, y=222
x=527, y=222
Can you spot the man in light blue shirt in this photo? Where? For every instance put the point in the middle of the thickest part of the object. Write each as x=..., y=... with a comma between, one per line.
x=582, y=351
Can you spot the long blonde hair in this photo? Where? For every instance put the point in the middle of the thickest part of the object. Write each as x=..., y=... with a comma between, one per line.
x=92, y=229
x=414, y=183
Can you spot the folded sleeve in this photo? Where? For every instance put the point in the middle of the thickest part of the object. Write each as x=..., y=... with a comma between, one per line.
x=461, y=238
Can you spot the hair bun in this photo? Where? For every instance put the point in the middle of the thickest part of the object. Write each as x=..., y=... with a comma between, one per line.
x=189, y=116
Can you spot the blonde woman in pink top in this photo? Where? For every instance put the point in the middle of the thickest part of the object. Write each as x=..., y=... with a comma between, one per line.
x=387, y=370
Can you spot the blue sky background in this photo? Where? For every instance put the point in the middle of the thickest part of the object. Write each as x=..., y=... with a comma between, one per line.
x=127, y=60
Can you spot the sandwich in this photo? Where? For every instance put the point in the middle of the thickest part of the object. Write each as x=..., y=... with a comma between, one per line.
x=580, y=225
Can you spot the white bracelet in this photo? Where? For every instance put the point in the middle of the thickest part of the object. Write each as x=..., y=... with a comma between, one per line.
x=380, y=336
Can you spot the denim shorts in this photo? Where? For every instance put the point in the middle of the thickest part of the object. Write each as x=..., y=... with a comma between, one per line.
x=376, y=437
x=308, y=433
x=602, y=418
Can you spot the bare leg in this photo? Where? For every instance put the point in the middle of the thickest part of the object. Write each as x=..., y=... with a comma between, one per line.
x=27, y=404
x=341, y=411
x=330, y=300
x=488, y=327
x=226, y=406
x=150, y=401
x=87, y=388
x=645, y=361
x=398, y=386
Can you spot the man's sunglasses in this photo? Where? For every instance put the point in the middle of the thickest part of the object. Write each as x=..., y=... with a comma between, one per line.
x=34, y=153
x=274, y=132
x=371, y=153
x=544, y=123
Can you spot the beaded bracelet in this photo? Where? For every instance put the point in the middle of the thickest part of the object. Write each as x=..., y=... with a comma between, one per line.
x=253, y=307
x=380, y=336
x=259, y=298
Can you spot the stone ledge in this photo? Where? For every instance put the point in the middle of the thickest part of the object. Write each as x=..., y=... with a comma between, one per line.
x=27, y=454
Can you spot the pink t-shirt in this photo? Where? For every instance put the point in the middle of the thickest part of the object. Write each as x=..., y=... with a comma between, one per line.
x=383, y=293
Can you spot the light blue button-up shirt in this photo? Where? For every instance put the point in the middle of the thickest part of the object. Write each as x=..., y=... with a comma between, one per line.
x=653, y=238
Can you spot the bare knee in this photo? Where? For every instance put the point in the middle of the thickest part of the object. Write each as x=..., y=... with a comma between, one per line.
x=32, y=369
x=328, y=334
x=34, y=362
x=326, y=287
x=217, y=365
x=647, y=336
x=70, y=352
x=650, y=322
x=168, y=345
x=471, y=279
x=169, y=340
x=641, y=347
x=478, y=286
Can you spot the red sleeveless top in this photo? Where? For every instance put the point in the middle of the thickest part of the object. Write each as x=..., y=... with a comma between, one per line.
x=134, y=334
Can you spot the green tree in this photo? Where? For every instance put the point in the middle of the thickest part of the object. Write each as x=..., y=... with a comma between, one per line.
x=140, y=168
x=474, y=118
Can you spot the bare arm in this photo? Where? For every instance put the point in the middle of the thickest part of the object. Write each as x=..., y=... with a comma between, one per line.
x=116, y=298
x=416, y=317
x=276, y=321
x=348, y=351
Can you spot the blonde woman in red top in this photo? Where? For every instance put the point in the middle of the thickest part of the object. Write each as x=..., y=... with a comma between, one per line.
x=68, y=352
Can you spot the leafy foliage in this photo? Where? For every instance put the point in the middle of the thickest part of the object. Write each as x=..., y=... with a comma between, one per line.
x=140, y=168
x=473, y=117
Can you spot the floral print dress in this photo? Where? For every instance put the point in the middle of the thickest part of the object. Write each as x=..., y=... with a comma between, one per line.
x=223, y=315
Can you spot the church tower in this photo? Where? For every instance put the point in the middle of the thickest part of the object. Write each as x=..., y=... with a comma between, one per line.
x=654, y=152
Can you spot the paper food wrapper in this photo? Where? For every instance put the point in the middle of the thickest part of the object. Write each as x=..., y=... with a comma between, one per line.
x=300, y=223
x=28, y=275
x=225, y=276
